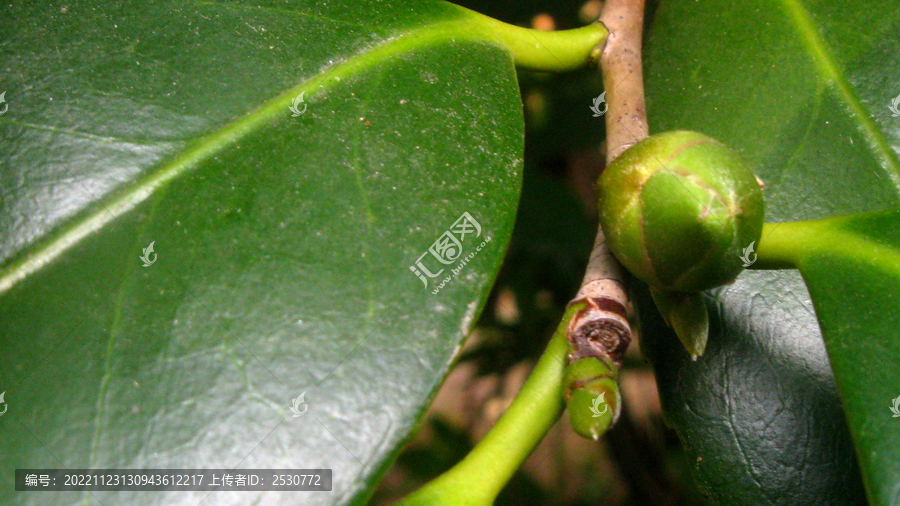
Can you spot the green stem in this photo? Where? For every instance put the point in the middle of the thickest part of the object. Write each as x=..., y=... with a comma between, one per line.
x=482, y=474
x=550, y=51
x=782, y=245
x=788, y=245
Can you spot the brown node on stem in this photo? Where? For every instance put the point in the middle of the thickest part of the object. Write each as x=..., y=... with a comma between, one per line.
x=599, y=330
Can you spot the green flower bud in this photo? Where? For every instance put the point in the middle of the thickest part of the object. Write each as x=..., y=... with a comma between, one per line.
x=678, y=209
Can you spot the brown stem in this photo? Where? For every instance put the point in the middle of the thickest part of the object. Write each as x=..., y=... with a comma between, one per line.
x=601, y=329
x=623, y=76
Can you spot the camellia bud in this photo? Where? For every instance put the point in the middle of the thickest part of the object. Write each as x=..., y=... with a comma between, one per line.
x=678, y=209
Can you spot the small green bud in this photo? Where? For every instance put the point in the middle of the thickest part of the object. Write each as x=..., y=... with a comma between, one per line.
x=678, y=209
x=592, y=395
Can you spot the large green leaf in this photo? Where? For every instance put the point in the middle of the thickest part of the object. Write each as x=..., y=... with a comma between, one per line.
x=284, y=243
x=851, y=265
x=802, y=91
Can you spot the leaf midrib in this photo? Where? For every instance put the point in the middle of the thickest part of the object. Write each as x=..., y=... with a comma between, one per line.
x=850, y=246
x=203, y=149
x=829, y=71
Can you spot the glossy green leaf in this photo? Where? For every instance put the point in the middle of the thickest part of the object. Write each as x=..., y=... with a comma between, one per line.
x=851, y=265
x=282, y=244
x=802, y=90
